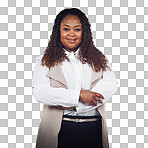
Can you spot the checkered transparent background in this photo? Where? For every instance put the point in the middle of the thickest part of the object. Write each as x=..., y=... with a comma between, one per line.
x=120, y=31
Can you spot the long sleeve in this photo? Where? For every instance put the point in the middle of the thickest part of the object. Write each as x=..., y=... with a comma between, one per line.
x=106, y=87
x=44, y=93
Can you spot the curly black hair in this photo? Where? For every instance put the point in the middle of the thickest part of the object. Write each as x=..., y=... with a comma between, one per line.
x=88, y=53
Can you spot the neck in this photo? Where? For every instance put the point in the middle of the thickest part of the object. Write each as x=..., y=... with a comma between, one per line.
x=71, y=50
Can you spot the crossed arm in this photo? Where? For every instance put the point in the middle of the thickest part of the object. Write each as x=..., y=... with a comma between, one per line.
x=87, y=96
x=59, y=97
x=101, y=92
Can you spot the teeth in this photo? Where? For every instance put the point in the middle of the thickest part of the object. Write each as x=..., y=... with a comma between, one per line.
x=71, y=40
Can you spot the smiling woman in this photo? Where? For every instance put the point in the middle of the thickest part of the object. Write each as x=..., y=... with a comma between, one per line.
x=74, y=23
x=71, y=32
x=73, y=80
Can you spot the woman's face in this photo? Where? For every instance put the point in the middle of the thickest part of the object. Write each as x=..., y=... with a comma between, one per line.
x=71, y=32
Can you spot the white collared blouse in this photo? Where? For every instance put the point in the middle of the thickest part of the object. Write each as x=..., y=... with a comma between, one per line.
x=78, y=76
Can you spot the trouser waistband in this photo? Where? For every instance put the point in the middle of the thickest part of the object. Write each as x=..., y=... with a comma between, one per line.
x=81, y=118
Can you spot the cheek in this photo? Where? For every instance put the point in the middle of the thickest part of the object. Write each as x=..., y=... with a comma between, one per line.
x=80, y=35
x=63, y=35
x=62, y=38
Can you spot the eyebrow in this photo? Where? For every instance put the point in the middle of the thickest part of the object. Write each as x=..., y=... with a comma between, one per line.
x=74, y=26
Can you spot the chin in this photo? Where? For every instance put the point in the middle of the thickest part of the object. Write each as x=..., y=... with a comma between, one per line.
x=74, y=48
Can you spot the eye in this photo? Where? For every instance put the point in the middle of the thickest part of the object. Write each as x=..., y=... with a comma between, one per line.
x=66, y=29
x=77, y=29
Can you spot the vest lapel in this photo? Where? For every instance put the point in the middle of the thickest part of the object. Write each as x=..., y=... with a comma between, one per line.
x=96, y=76
x=56, y=74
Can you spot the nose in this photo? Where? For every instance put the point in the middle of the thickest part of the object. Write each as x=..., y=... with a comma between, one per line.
x=71, y=34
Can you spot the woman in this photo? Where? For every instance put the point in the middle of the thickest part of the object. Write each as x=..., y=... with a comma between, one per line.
x=73, y=80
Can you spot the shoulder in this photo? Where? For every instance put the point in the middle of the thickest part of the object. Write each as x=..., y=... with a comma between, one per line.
x=39, y=58
x=109, y=65
x=39, y=65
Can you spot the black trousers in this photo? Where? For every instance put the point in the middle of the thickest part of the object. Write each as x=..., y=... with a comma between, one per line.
x=80, y=135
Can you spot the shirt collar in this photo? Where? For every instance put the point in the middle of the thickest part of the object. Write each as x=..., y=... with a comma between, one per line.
x=72, y=53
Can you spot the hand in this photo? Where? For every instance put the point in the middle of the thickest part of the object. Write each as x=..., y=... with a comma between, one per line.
x=90, y=97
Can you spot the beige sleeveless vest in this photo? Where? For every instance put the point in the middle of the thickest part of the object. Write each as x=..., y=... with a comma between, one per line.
x=52, y=117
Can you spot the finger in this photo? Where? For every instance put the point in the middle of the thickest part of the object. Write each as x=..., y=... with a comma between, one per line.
x=91, y=103
x=98, y=99
x=99, y=95
x=94, y=102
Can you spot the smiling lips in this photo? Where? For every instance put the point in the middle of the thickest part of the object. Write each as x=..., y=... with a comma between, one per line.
x=71, y=40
